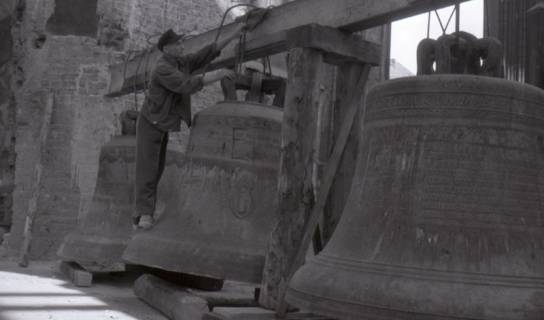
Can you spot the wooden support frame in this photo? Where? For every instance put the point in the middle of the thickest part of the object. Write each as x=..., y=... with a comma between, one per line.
x=299, y=211
x=270, y=37
x=337, y=47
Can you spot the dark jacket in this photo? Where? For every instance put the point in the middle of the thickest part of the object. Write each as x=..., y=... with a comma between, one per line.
x=168, y=99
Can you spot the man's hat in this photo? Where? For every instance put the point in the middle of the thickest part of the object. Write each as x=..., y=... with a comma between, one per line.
x=167, y=38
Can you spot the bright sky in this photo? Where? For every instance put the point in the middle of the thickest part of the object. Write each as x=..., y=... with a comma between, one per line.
x=407, y=33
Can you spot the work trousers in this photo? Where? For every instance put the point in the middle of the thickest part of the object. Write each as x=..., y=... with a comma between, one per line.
x=151, y=146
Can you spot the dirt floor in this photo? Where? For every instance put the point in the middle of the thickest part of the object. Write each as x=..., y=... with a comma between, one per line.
x=41, y=292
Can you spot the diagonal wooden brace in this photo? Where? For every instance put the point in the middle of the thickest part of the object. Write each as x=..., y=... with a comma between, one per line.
x=327, y=183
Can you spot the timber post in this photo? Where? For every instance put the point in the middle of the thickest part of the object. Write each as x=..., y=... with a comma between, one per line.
x=295, y=189
x=534, y=69
x=311, y=48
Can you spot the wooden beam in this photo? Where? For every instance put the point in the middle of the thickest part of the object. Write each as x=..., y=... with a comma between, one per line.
x=338, y=47
x=269, y=37
x=175, y=302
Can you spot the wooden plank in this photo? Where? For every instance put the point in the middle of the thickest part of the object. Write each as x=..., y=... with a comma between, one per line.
x=269, y=37
x=306, y=74
x=173, y=301
x=301, y=247
x=346, y=85
x=233, y=294
x=323, y=140
x=189, y=280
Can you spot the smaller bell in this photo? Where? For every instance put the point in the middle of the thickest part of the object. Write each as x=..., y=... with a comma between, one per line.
x=101, y=237
x=217, y=222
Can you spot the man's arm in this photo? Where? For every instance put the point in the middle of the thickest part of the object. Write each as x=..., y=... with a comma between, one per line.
x=218, y=75
x=177, y=81
x=207, y=54
x=180, y=82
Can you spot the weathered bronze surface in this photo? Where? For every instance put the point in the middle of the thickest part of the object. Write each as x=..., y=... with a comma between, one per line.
x=100, y=238
x=217, y=221
x=102, y=235
x=445, y=219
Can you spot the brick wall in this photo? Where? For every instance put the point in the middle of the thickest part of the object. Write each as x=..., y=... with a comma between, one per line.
x=63, y=71
x=7, y=114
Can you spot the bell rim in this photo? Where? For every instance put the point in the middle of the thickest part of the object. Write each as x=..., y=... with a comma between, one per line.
x=420, y=298
x=427, y=273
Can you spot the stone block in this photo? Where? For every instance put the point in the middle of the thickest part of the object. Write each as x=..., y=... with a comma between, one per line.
x=174, y=302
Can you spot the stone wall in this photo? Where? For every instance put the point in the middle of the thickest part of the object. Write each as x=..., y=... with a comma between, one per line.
x=63, y=51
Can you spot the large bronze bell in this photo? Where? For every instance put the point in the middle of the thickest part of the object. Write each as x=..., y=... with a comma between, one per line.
x=218, y=221
x=102, y=235
x=445, y=219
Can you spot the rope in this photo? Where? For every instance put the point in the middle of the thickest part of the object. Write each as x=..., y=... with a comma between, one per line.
x=240, y=54
x=457, y=17
x=444, y=29
x=225, y=16
x=486, y=17
x=238, y=63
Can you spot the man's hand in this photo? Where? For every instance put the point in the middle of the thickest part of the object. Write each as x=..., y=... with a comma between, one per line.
x=228, y=74
x=218, y=75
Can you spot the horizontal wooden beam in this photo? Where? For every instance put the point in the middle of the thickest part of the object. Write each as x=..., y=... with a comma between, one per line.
x=338, y=47
x=269, y=37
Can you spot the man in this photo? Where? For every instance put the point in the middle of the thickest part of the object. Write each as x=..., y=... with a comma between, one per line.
x=167, y=103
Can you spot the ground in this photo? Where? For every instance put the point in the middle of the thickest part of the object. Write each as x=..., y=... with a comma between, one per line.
x=41, y=292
